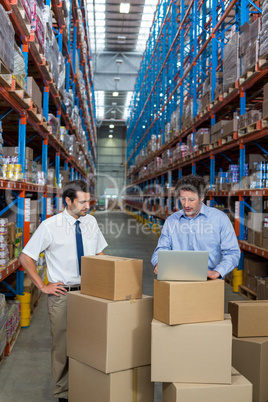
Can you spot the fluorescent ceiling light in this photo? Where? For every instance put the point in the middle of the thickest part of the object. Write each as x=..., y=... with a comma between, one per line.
x=124, y=8
x=110, y=136
x=111, y=126
x=115, y=93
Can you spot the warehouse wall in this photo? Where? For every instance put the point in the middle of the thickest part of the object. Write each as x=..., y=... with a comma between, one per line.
x=110, y=159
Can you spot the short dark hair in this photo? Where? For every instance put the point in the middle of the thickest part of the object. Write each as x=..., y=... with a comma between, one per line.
x=192, y=183
x=70, y=189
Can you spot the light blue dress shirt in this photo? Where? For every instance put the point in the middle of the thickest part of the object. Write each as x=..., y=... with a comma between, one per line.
x=210, y=230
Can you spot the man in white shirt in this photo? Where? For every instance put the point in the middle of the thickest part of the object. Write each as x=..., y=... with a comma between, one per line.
x=58, y=237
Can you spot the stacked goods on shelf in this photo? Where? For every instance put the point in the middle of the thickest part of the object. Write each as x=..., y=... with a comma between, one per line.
x=255, y=222
x=108, y=332
x=265, y=101
x=230, y=180
x=250, y=344
x=202, y=137
x=35, y=214
x=264, y=30
x=231, y=62
x=11, y=237
x=34, y=92
x=6, y=41
x=255, y=268
x=37, y=24
x=12, y=170
x=4, y=251
x=13, y=321
x=249, y=45
x=188, y=326
x=3, y=324
x=19, y=67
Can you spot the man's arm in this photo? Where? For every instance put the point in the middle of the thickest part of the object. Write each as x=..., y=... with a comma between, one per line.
x=51, y=288
x=102, y=253
x=164, y=243
x=230, y=250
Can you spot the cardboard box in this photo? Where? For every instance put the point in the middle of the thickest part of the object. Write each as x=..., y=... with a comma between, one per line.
x=265, y=108
x=14, y=151
x=265, y=232
x=265, y=243
x=255, y=266
x=195, y=353
x=262, y=289
x=230, y=128
x=250, y=358
x=251, y=236
x=11, y=250
x=11, y=232
x=109, y=336
x=188, y=302
x=34, y=92
x=87, y=384
x=240, y=390
x=250, y=282
x=113, y=278
x=255, y=221
x=249, y=318
x=258, y=239
x=34, y=213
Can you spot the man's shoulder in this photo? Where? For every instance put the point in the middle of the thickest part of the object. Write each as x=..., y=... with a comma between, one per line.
x=215, y=212
x=53, y=220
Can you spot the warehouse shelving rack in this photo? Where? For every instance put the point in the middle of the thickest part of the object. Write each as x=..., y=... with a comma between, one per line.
x=30, y=125
x=172, y=74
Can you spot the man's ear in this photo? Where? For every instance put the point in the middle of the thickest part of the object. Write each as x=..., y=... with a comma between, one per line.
x=68, y=201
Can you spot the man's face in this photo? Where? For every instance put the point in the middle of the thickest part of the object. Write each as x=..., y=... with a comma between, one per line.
x=190, y=202
x=80, y=205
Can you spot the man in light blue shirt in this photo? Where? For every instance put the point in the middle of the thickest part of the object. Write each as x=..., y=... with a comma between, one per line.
x=198, y=227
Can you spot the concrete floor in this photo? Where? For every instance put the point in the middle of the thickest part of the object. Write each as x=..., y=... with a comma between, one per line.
x=25, y=375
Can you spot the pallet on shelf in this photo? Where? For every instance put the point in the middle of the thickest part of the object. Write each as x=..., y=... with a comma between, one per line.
x=263, y=60
x=20, y=94
x=11, y=343
x=216, y=101
x=5, y=75
x=254, y=70
x=35, y=113
x=249, y=294
x=230, y=90
x=36, y=48
x=230, y=138
x=252, y=128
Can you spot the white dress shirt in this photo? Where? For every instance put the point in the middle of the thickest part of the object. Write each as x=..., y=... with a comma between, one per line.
x=56, y=236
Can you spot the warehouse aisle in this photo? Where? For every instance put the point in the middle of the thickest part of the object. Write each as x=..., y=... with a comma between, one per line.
x=25, y=375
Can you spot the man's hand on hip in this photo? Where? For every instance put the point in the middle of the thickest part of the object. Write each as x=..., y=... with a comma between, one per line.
x=56, y=289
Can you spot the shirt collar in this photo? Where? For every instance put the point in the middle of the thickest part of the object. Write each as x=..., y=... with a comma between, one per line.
x=70, y=219
x=203, y=211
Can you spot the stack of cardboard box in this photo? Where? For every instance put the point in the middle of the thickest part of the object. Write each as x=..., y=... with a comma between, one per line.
x=35, y=214
x=257, y=234
x=192, y=344
x=108, y=333
x=250, y=344
x=255, y=268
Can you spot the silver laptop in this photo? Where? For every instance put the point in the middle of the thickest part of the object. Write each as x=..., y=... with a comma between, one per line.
x=174, y=265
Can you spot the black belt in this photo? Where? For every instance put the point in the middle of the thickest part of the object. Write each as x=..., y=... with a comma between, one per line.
x=72, y=288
